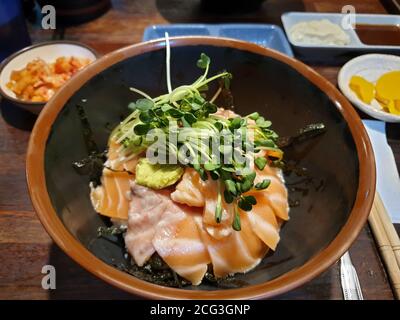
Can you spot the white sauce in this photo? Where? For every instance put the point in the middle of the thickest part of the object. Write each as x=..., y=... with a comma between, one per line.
x=319, y=32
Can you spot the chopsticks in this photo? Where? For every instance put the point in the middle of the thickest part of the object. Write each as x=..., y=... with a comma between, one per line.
x=389, y=228
x=388, y=241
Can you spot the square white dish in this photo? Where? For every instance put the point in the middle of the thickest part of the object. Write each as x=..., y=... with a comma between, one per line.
x=289, y=19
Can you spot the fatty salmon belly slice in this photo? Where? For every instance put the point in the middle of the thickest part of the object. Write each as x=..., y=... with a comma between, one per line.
x=222, y=229
x=190, y=189
x=264, y=223
x=179, y=244
x=276, y=193
x=146, y=210
x=241, y=251
x=217, y=230
x=112, y=197
x=194, y=192
x=117, y=162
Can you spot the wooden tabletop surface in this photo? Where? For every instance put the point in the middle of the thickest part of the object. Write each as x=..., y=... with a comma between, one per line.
x=25, y=247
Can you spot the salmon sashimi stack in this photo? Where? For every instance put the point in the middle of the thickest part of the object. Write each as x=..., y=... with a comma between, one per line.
x=178, y=223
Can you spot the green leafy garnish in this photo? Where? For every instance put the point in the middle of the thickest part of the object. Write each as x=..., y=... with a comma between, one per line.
x=254, y=116
x=236, y=225
x=230, y=187
x=228, y=197
x=248, y=181
x=263, y=184
x=260, y=162
x=142, y=129
x=144, y=104
x=204, y=61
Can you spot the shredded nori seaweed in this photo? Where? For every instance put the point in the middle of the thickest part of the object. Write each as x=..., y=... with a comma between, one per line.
x=92, y=165
x=87, y=131
x=156, y=271
x=305, y=133
x=110, y=231
x=227, y=282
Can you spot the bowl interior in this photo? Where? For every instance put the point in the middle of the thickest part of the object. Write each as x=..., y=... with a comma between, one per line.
x=323, y=197
x=49, y=52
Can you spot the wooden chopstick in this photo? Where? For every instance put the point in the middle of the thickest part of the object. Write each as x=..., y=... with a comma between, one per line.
x=384, y=245
x=389, y=228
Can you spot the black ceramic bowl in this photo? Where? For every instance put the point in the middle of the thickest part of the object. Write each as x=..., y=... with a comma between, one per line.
x=333, y=198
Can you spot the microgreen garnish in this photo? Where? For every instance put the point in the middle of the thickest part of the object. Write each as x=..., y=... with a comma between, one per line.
x=260, y=162
x=263, y=184
x=246, y=203
x=203, y=62
x=236, y=225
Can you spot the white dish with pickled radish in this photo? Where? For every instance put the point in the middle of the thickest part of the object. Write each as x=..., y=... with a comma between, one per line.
x=371, y=82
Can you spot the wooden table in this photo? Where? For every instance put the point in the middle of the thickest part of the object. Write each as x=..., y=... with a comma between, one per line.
x=25, y=247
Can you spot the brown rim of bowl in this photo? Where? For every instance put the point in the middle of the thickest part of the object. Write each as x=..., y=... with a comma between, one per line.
x=35, y=173
x=36, y=45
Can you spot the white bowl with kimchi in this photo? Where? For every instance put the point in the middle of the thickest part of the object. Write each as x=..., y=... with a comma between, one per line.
x=31, y=76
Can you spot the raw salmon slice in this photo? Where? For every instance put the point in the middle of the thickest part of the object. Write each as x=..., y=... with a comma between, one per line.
x=194, y=192
x=181, y=247
x=146, y=210
x=276, y=194
x=241, y=251
x=157, y=224
x=117, y=162
x=190, y=190
x=112, y=197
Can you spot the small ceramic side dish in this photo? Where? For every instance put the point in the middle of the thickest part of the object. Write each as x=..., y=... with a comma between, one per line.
x=47, y=51
x=370, y=67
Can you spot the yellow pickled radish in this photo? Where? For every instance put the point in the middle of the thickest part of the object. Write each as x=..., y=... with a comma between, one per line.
x=383, y=102
x=388, y=88
x=394, y=107
x=364, y=89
